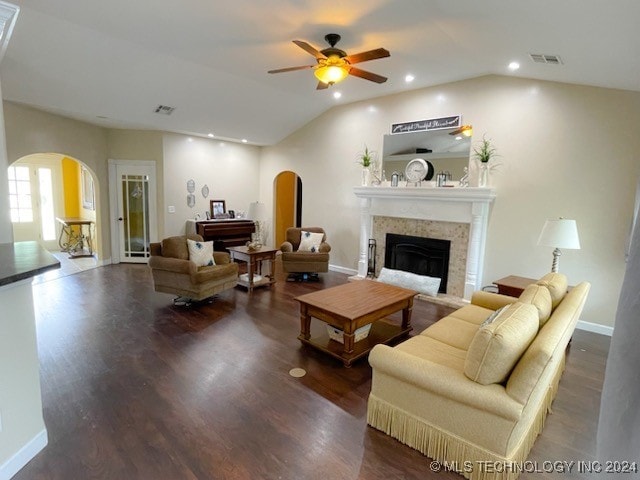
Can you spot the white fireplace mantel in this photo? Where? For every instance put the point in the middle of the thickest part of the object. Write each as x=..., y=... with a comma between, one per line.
x=446, y=204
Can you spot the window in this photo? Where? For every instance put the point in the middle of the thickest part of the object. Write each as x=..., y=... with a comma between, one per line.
x=20, y=195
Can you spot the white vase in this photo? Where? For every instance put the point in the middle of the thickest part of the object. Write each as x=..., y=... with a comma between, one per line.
x=366, y=177
x=483, y=177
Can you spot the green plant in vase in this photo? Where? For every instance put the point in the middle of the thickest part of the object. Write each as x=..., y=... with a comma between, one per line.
x=484, y=153
x=367, y=159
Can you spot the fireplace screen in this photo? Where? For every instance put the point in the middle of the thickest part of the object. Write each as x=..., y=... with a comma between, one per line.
x=420, y=255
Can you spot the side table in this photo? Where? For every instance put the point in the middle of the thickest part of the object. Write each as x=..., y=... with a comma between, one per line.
x=513, y=285
x=254, y=258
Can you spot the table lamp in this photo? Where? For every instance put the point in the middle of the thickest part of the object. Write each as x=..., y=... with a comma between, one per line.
x=258, y=213
x=560, y=233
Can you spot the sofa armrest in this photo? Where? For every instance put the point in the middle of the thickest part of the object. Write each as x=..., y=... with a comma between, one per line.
x=221, y=258
x=324, y=248
x=171, y=264
x=286, y=247
x=492, y=301
x=439, y=379
x=155, y=248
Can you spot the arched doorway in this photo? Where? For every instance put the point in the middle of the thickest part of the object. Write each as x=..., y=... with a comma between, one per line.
x=287, y=188
x=44, y=187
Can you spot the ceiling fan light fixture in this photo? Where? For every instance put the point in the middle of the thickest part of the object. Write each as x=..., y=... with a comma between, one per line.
x=332, y=70
x=331, y=74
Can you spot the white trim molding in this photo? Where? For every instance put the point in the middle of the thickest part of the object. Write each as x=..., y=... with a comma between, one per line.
x=452, y=204
x=339, y=269
x=24, y=455
x=8, y=16
x=594, y=327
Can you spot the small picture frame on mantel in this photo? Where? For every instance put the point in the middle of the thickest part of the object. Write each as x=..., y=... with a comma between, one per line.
x=218, y=209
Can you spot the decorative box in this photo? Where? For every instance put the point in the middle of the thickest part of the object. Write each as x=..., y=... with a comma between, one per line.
x=337, y=334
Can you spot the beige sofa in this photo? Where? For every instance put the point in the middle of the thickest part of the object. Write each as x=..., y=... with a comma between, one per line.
x=173, y=272
x=472, y=395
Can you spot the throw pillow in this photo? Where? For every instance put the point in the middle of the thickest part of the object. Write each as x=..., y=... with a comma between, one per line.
x=556, y=283
x=310, y=242
x=539, y=297
x=201, y=253
x=494, y=316
x=497, y=347
x=421, y=283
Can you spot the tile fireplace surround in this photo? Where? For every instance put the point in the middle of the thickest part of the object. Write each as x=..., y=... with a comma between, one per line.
x=430, y=204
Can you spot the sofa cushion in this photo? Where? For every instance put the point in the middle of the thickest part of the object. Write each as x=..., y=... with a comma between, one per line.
x=498, y=346
x=201, y=253
x=310, y=242
x=430, y=349
x=557, y=285
x=452, y=331
x=539, y=297
x=472, y=314
x=175, y=247
x=421, y=283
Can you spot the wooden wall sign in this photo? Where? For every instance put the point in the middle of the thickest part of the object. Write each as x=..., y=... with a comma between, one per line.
x=424, y=125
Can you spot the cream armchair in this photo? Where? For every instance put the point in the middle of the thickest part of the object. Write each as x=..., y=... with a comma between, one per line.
x=295, y=261
x=173, y=272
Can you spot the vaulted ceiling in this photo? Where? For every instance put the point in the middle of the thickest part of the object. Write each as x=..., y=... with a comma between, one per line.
x=112, y=63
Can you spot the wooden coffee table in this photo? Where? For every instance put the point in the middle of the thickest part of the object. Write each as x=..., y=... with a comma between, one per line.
x=351, y=306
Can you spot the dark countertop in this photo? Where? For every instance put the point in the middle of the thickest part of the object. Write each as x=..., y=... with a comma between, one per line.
x=22, y=260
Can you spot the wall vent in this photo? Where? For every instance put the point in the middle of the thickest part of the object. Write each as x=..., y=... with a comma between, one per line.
x=164, y=110
x=548, y=59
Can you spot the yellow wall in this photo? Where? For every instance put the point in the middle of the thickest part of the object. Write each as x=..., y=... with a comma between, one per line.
x=71, y=184
x=285, y=189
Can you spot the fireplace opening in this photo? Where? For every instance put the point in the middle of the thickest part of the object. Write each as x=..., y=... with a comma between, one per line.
x=420, y=255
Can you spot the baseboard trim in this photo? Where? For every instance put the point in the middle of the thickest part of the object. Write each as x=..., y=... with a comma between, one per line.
x=24, y=455
x=106, y=261
x=594, y=327
x=339, y=269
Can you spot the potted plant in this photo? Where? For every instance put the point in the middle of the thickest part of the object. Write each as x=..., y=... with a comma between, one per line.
x=483, y=153
x=366, y=158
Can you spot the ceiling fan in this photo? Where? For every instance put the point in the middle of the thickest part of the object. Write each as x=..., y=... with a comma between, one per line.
x=334, y=65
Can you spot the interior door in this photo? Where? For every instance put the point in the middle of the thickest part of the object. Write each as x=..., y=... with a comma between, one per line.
x=136, y=215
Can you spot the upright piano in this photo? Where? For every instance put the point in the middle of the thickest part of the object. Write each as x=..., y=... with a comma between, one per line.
x=225, y=232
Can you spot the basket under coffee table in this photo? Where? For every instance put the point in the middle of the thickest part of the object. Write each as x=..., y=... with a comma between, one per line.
x=351, y=306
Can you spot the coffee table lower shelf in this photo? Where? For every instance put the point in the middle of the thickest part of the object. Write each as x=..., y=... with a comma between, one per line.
x=381, y=332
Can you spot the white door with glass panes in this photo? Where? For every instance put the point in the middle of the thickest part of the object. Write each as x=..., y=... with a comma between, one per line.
x=133, y=209
x=35, y=191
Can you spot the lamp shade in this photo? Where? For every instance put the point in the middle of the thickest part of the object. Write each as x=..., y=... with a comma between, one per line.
x=332, y=70
x=560, y=233
x=257, y=211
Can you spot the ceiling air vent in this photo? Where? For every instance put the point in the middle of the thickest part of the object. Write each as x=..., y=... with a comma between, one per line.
x=164, y=110
x=548, y=59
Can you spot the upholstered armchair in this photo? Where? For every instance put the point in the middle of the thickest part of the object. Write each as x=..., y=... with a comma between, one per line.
x=308, y=255
x=173, y=272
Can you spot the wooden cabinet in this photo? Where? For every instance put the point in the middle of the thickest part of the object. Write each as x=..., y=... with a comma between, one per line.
x=226, y=233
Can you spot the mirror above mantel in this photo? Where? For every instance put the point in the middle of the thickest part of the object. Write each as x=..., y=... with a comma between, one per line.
x=447, y=152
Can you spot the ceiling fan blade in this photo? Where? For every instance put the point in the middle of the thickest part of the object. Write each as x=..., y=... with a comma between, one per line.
x=309, y=49
x=366, y=56
x=374, y=77
x=322, y=86
x=291, y=69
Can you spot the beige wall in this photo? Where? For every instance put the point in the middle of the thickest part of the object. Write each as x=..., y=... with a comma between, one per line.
x=230, y=171
x=566, y=150
x=31, y=131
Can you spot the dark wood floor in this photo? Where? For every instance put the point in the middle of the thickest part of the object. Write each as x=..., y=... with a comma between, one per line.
x=135, y=388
